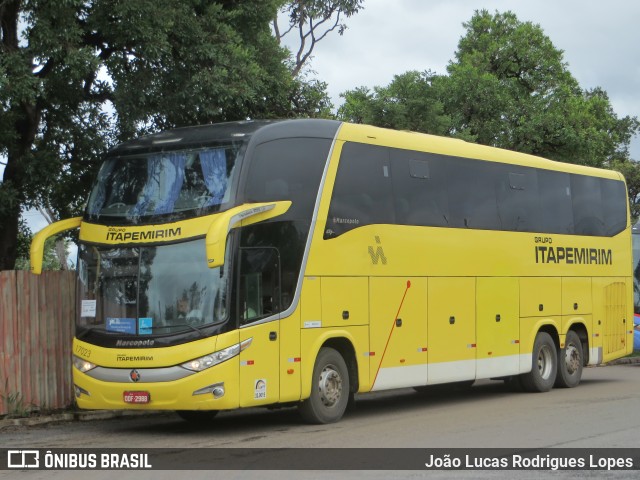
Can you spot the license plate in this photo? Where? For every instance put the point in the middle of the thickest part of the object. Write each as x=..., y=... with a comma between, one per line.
x=136, y=397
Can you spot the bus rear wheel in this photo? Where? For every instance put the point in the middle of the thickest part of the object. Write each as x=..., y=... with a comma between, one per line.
x=544, y=367
x=570, y=362
x=329, y=389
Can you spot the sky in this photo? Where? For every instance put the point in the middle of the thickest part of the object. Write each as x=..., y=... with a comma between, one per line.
x=600, y=40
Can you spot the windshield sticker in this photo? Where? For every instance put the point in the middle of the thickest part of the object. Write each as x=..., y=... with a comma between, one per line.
x=260, y=392
x=88, y=308
x=145, y=325
x=121, y=325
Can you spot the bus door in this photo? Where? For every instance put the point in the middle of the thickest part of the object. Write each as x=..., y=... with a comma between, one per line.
x=452, y=329
x=259, y=302
x=398, y=340
x=498, y=327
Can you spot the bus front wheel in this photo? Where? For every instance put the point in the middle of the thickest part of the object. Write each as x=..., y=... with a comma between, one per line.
x=329, y=389
x=544, y=365
x=570, y=361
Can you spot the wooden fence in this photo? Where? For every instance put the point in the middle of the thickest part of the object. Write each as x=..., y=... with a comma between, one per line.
x=36, y=331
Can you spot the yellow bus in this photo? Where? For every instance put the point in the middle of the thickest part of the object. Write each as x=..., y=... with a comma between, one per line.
x=299, y=262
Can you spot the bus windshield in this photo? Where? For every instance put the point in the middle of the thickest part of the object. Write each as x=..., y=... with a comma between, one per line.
x=158, y=290
x=182, y=183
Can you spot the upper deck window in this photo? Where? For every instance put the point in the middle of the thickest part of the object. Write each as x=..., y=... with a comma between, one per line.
x=183, y=182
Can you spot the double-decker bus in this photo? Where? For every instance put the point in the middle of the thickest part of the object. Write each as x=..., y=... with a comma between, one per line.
x=299, y=262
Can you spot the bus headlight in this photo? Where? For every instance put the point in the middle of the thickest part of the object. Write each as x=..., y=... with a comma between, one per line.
x=215, y=358
x=83, y=365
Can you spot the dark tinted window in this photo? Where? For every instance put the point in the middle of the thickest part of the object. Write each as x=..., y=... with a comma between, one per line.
x=472, y=194
x=419, y=186
x=385, y=185
x=288, y=169
x=362, y=194
x=517, y=197
x=556, y=208
x=614, y=205
x=587, y=205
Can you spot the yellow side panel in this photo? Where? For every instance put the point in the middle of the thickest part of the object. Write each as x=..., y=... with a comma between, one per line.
x=310, y=303
x=452, y=328
x=290, y=358
x=569, y=321
x=259, y=365
x=540, y=296
x=406, y=340
x=576, y=296
x=613, y=316
x=498, y=326
x=345, y=301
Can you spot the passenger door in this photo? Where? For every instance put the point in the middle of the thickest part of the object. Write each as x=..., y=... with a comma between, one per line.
x=259, y=302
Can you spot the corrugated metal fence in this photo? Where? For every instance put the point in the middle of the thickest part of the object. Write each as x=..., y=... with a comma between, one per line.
x=36, y=331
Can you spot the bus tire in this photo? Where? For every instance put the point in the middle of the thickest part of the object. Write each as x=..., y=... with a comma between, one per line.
x=544, y=359
x=197, y=416
x=570, y=362
x=329, y=389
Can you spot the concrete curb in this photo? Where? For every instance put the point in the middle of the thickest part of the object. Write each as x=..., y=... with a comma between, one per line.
x=78, y=416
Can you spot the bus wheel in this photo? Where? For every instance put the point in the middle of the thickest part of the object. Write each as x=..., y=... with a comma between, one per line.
x=197, y=416
x=570, y=361
x=329, y=389
x=544, y=365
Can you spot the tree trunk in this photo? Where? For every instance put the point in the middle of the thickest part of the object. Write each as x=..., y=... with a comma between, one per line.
x=9, y=218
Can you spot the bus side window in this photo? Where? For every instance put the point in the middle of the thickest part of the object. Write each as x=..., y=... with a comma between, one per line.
x=556, y=211
x=362, y=194
x=614, y=203
x=288, y=169
x=472, y=194
x=420, y=188
x=517, y=196
x=259, y=283
x=587, y=205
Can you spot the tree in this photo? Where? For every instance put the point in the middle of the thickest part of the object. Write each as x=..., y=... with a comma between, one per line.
x=77, y=76
x=50, y=260
x=407, y=103
x=313, y=20
x=510, y=87
x=631, y=172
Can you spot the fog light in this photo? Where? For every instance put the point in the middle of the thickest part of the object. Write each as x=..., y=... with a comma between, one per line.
x=218, y=392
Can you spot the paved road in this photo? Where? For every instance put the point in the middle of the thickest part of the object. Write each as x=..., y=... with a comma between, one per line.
x=604, y=411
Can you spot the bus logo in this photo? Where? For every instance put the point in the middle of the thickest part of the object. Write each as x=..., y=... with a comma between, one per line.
x=134, y=376
x=378, y=254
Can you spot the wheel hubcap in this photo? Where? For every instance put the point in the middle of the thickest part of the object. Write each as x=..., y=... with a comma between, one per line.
x=571, y=358
x=545, y=362
x=330, y=386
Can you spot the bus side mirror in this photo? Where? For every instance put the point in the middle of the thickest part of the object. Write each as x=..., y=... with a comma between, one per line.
x=37, y=243
x=216, y=242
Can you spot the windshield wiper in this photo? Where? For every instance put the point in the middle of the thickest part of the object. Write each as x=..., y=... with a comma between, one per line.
x=192, y=327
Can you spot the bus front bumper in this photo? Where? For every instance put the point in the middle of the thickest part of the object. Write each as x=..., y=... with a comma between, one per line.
x=212, y=389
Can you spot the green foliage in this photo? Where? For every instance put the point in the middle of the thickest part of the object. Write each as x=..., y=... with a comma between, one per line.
x=409, y=102
x=78, y=76
x=631, y=172
x=510, y=87
x=50, y=259
x=507, y=87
